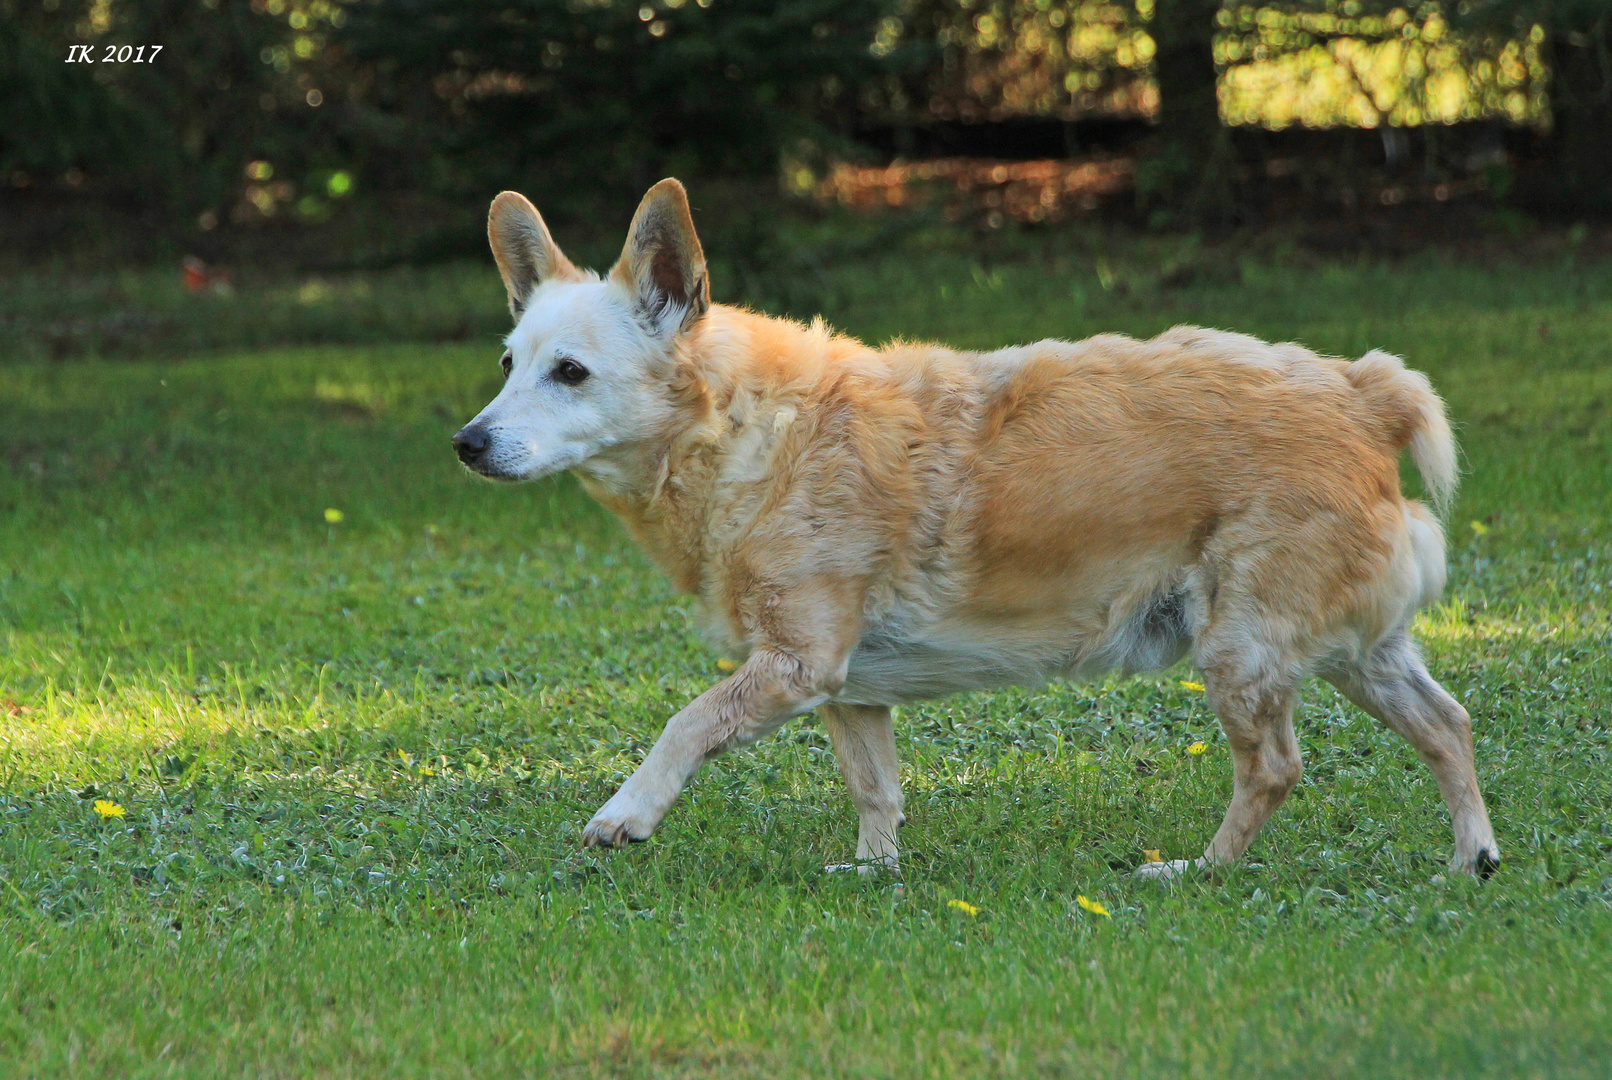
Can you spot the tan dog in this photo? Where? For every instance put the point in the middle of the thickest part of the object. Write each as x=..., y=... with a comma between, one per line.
x=868, y=527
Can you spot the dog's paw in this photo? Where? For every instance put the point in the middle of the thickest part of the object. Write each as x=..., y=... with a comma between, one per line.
x=866, y=867
x=1166, y=871
x=615, y=830
x=1483, y=865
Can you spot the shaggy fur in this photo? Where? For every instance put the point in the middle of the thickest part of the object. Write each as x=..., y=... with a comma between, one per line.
x=866, y=527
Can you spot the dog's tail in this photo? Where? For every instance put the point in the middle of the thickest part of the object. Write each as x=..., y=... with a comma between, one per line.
x=1405, y=402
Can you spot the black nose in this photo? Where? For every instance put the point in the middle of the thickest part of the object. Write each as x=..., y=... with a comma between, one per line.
x=470, y=444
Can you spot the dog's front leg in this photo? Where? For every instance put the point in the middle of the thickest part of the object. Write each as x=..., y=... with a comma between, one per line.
x=865, y=743
x=769, y=688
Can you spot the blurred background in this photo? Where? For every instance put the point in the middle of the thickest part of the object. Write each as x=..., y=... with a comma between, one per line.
x=301, y=157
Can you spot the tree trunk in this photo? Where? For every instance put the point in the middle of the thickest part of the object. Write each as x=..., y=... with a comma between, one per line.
x=1189, y=175
x=1576, y=176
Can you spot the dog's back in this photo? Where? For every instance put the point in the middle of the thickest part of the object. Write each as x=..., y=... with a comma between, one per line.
x=1112, y=495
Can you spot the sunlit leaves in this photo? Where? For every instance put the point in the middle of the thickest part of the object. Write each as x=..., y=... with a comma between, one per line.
x=1345, y=65
x=1315, y=64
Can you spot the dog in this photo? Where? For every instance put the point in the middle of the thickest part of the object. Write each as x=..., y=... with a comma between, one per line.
x=865, y=527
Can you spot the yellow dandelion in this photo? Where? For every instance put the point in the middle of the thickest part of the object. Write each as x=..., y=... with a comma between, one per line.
x=1151, y=854
x=1093, y=906
x=426, y=770
x=1480, y=528
x=1187, y=684
x=725, y=664
x=965, y=907
x=108, y=809
x=1198, y=748
x=334, y=516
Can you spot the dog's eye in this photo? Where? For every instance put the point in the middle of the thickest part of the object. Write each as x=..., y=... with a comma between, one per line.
x=569, y=372
x=507, y=363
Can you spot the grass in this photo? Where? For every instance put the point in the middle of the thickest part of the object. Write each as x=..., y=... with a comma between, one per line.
x=354, y=758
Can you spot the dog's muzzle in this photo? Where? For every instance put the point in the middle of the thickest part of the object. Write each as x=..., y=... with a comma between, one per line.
x=471, y=444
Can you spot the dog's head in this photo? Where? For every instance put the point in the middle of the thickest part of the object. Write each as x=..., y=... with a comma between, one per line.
x=589, y=362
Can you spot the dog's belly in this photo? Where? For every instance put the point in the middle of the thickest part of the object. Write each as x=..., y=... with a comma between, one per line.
x=890, y=669
x=885, y=671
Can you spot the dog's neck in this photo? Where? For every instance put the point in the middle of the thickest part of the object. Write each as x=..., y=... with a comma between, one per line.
x=655, y=485
x=734, y=374
x=652, y=487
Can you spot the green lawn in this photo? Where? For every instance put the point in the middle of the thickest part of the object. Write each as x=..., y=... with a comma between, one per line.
x=355, y=758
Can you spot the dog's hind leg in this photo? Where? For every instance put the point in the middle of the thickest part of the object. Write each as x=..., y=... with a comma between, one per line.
x=1393, y=685
x=1256, y=714
x=865, y=745
x=1255, y=707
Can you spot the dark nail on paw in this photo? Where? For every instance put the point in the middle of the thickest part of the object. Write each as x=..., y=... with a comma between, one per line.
x=1487, y=863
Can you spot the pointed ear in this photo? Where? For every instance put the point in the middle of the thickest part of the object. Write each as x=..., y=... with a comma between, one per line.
x=662, y=264
x=527, y=255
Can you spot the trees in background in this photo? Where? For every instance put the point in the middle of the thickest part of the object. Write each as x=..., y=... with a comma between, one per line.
x=1577, y=40
x=1189, y=174
x=271, y=108
x=565, y=98
x=172, y=136
x=996, y=60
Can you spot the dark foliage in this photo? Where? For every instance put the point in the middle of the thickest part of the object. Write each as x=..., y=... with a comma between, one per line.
x=1575, y=165
x=169, y=137
x=269, y=111
x=570, y=101
x=1188, y=174
x=573, y=102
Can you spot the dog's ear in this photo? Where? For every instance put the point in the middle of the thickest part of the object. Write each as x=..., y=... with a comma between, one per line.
x=527, y=255
x=662, y=265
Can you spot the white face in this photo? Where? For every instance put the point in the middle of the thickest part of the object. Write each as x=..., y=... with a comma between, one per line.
x=585, y=375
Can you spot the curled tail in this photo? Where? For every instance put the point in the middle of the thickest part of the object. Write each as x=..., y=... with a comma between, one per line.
x=1413, y=415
